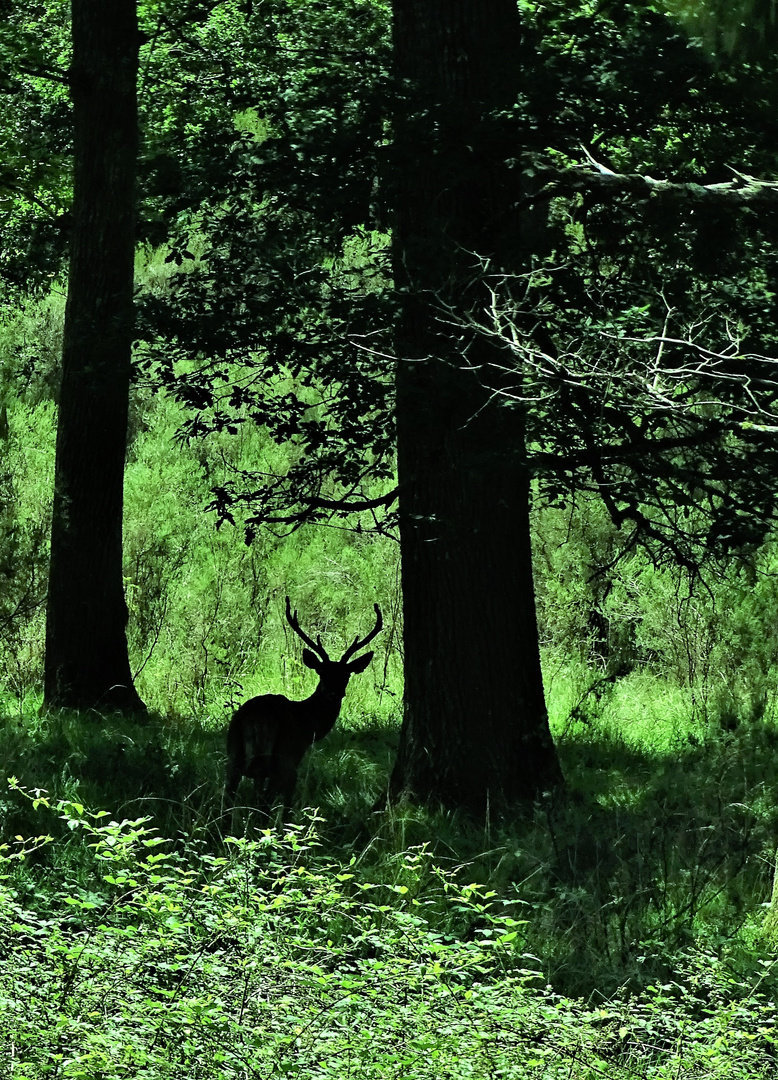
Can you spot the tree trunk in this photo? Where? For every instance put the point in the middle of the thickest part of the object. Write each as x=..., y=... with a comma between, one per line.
x=475, y=731
x=87, y=663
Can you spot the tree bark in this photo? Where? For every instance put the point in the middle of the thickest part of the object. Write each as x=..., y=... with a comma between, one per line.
x=87, y=662
x=475, y=731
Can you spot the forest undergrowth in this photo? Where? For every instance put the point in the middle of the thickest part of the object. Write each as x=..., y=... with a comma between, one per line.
x=618, y=931
x=621, y=928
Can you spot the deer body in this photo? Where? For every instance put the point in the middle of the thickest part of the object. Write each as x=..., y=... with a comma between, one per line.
x=269, y=735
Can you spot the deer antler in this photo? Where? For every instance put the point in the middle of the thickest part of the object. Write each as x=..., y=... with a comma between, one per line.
x=292, y=620
x=356, y=644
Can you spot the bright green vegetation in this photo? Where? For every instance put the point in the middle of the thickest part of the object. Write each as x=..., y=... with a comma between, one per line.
x=619, y=931
x=206, y=611
x=127, y=953
x=623, y=929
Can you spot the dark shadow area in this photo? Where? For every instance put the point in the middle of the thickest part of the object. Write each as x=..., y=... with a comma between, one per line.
x=642, y=857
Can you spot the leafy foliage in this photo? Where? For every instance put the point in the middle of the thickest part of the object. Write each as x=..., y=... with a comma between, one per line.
x=274, y=316
x=267, y=174
x=638, y=333
x=637, y=344
x=35, y=143
x=159, y=957
x=264, y=176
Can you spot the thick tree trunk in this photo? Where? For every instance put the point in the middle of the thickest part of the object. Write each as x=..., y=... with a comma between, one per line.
x=86, y=646
x=475, y=731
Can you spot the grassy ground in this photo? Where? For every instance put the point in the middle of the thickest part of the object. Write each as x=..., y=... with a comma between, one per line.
x=618, y=931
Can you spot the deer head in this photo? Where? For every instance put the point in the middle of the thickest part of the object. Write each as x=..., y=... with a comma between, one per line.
x=269, y=734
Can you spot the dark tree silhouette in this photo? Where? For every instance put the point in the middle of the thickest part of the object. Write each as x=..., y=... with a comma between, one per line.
x=475, y=731
x=87, y=662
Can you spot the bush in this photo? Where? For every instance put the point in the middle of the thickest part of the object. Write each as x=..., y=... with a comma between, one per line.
x=157, y=959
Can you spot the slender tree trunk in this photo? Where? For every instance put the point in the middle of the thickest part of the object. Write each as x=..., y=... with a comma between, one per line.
x=86, y=646
x=475, y=730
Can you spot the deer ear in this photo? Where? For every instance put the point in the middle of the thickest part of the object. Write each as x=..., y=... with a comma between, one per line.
x=359, y=665
x=311, y=660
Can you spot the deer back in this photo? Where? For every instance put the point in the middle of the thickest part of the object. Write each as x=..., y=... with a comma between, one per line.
x=270, y=725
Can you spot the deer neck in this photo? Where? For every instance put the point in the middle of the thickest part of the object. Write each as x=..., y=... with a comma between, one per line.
x=323, y=707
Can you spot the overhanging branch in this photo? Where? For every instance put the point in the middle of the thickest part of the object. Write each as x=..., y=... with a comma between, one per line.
x=602, y=183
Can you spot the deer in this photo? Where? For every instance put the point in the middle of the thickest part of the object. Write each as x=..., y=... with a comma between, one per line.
x=269, y=735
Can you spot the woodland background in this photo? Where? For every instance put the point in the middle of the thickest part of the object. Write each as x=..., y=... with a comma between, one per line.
x=622, y=925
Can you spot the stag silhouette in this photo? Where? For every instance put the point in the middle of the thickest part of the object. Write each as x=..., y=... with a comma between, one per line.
x=268, y=735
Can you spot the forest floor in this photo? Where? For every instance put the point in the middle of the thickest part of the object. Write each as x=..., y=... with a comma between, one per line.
x=621, y=930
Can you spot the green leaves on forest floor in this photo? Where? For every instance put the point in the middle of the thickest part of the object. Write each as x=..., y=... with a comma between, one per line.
x=159, y=958
x=164, y=947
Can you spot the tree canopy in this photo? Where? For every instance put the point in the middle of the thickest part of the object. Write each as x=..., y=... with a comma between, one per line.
x=291, y=273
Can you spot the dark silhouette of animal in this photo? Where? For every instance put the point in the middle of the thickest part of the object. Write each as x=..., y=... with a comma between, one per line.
x=268, y=735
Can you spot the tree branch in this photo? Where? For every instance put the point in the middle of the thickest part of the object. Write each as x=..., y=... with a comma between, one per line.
x=602, y=183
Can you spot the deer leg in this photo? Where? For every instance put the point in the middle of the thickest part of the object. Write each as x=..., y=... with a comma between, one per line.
x=261, y=801
x=259, y=771
x=234, y=773
x=282, y=780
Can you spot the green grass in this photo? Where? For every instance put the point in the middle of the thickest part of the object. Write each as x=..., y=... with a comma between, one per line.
x=652, y=850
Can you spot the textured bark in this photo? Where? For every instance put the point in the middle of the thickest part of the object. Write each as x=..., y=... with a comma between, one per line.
x=475, y=731
x=86, y=646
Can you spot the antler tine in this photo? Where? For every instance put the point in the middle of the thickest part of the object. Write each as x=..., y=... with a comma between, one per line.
x=295, y=625
x=356, y=644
